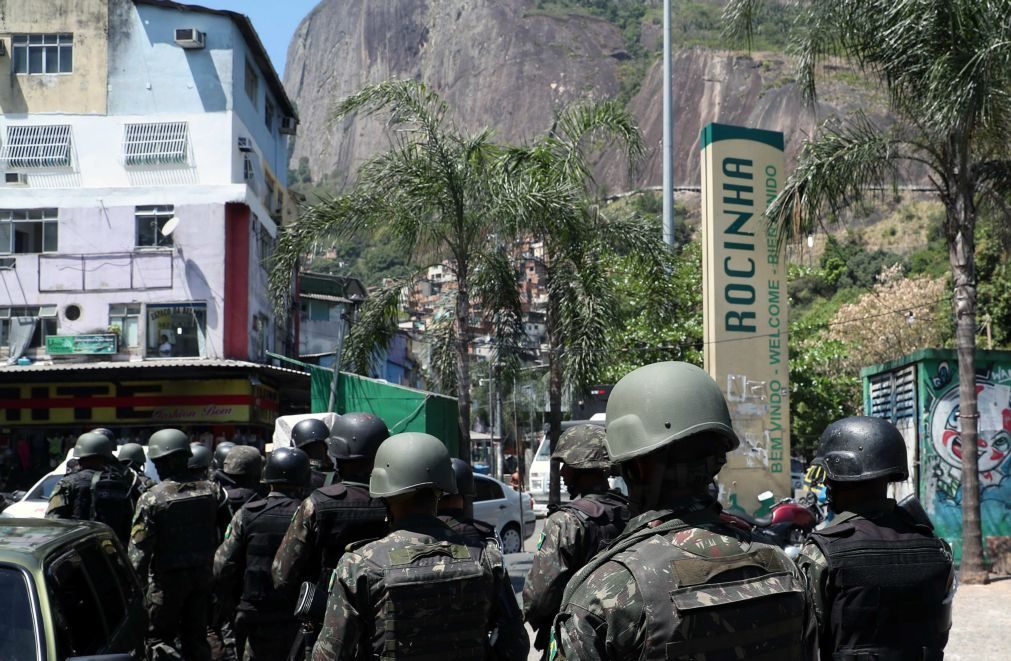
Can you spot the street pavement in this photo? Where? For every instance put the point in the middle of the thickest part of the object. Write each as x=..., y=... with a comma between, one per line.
x=978, y=631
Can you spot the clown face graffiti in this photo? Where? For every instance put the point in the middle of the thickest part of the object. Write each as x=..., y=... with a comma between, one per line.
x=993, y=442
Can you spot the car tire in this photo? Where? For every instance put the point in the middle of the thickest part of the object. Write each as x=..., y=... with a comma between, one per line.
x=512, y=540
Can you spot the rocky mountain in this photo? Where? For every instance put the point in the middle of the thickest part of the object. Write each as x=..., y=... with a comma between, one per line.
x=511, y=64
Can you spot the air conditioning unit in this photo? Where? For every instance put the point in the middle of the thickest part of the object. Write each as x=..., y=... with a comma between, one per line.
x=15, y=179
x=288, y=125
x=190, y=38
x=245, y=144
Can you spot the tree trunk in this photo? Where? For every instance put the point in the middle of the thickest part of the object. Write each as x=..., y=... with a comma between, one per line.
x=961, y=223
x=462, y=322
x=554, y=388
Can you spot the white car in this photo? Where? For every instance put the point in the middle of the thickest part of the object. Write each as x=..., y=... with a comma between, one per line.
x=35, y=501
x=501, y=506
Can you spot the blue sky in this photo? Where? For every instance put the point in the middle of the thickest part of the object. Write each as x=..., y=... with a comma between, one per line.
x=274, y=20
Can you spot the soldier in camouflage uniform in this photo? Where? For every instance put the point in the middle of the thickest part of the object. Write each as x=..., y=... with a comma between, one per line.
x=678, y=583
x=99, y=490
x=577, y=530
x=423, y=591
x=456, y=509
x=265, y=619
x=131, y=455
x=877, y=557
x=243, y=467
x=176, y=529
x=334, y=515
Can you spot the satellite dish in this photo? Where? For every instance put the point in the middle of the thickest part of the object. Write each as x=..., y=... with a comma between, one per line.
x=170, y=226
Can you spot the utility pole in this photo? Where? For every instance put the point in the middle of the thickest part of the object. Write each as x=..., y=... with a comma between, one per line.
x=668, y=132
x=337, y=351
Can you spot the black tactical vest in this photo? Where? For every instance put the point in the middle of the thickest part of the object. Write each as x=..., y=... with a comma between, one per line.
x=887, y=582
x=187, y=529
x=346, y=513
x=113, y=494
x=239, y=496
x=265, y=523
x=432, y=603
x=474, y=532
x=604, y=517
x=80, y=492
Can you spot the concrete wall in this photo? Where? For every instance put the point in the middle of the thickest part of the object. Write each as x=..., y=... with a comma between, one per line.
x=84, y=90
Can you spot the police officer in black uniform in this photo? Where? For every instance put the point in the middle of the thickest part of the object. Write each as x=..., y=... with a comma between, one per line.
x=312, y=437
x=880, y=580
x=265, y=618
x=456, y=509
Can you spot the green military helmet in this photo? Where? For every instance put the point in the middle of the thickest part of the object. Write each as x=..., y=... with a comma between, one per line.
x=92, y=444
x=133, y=454
x=660, y=404
x=168, y=442
x=409, y=462
x=583, y=447
x=200, y=456
x=244, y=460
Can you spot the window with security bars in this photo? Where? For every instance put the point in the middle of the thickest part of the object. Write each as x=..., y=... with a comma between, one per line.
x=150, y=222
x=37, y=146
x=27, y=231
x=42, y=53
x=163, y=143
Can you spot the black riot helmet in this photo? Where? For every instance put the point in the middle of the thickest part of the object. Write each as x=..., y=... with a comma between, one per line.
x=356, y=436
x=309, y=431
x=287, y=466
x=862, y=448
x=221, y=452
x=464, y=478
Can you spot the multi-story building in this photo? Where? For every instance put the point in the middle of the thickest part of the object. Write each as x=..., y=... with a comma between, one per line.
x=143, y=150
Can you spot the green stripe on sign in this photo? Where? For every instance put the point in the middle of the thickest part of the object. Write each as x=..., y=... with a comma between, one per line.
x=716, y=132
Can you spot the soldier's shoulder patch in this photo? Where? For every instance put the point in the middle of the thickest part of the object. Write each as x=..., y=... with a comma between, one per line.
x=333, y=579
x=540, y=540
x=228, y=531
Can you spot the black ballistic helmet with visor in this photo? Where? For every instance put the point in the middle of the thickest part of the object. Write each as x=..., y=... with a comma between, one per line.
x=287, y=466
x=862, y=448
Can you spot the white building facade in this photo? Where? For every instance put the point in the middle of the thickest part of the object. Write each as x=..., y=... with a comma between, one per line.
x=143, y=146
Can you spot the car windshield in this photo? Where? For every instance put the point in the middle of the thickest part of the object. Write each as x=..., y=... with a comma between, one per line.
x=17, y=630
x=544, y=451
x=44, y=489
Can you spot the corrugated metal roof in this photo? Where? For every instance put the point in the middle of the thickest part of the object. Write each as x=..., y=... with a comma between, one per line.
x=325, y=297
x=209, y=363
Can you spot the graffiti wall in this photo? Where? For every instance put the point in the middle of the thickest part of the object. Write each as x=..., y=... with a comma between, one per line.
x=941, y=450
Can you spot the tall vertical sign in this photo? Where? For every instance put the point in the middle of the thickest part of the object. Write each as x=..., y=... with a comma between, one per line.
x=745, y=307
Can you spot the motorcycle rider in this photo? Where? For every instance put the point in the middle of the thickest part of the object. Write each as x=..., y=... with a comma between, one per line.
x=312, y=437
x=456, y=508
x=99, y=490
x=879, y=578
x=678, y=583
x=265, y=616
x=131, y=455
x=577, y=530
x=336, y=515
x=422, y=591
x=175, y=531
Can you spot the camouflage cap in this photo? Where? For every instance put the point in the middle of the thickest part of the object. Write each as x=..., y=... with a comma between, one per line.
x=583, y=447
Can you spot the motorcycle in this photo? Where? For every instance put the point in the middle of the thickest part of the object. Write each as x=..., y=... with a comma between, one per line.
x=787, y=526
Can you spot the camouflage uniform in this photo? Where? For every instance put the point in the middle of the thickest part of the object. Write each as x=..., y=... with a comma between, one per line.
x=474, y=531
x=571, y=537
x=672, y=586
x=265, y=618
x=362, y=602
x=72, y=497
x=921, y=624
x=176, y=529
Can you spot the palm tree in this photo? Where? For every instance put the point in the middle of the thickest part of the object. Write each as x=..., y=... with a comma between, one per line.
x=581, y=307
x=946, y=68
x=431, y=195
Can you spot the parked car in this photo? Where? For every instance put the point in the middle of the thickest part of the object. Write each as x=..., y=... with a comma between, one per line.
x=32, y=504
x=67, y=591
x=511, y=512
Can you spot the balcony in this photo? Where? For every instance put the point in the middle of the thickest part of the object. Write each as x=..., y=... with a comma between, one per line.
x=114, y=271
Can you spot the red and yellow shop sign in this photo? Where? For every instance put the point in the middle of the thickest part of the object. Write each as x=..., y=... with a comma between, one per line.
x=211, y=401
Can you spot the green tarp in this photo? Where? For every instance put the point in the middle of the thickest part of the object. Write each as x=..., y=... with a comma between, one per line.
x=402, y=409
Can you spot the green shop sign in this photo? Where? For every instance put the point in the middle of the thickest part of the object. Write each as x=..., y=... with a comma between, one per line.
x=78, y=345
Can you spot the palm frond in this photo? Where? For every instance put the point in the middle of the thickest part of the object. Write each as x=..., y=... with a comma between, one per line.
x=739, y=19
x=409, y=102
x=376, y=325
x=442, y=341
